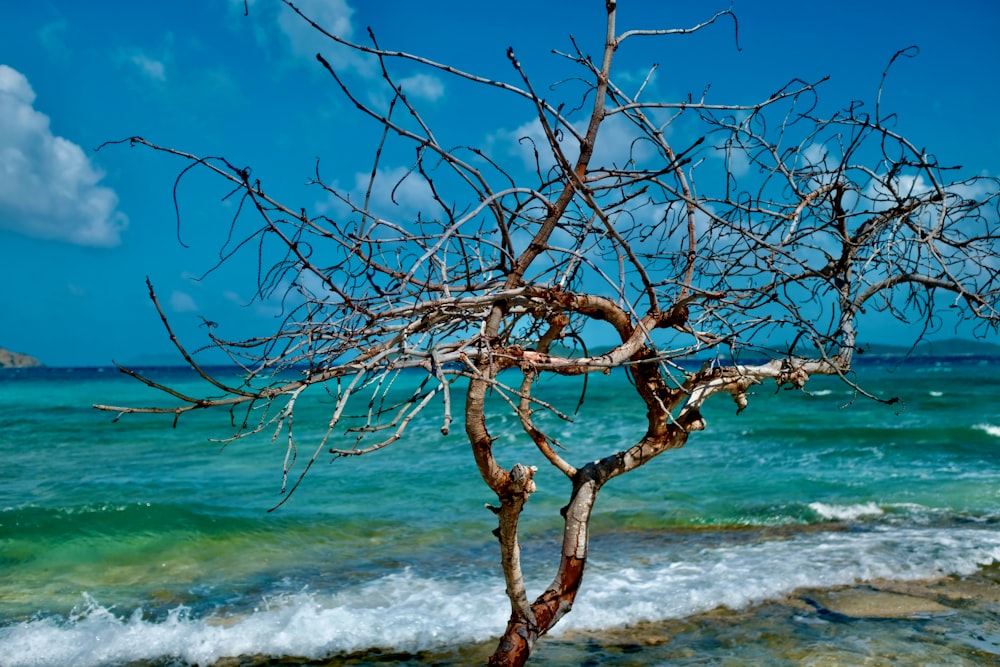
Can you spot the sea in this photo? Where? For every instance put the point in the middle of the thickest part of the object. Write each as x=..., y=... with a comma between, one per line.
x=138, y=541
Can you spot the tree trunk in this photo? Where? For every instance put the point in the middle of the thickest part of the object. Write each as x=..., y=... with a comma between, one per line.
x=521, y=634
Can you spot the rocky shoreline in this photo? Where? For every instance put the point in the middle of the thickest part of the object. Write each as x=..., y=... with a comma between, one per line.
x=950, y=620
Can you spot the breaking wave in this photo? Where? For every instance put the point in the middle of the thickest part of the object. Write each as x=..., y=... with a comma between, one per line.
x=409, y=612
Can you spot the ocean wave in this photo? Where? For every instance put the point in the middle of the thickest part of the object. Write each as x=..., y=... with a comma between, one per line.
x=400, y=612
x=846, y=512
x=989, y=429
x=739, y=577
x=409, y=612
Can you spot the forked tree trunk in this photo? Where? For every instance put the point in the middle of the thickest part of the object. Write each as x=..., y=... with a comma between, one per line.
x=521, y=634
x=524, y=629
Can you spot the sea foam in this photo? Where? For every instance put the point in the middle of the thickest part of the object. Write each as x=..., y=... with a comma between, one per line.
x=989, y=429
x=408, y=612
x=739, y=577
x=399, y=611
x=846, y=512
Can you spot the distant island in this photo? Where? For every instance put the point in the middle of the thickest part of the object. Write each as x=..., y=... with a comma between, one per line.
x=953, y=347
x=10, y=359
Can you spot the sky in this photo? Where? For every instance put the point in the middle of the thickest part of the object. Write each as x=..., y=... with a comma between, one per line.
x=82, y=229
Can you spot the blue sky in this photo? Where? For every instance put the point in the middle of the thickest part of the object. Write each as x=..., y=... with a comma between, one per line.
x=80, y=230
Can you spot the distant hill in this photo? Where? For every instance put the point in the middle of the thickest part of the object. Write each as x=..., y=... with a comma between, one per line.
x=10, y=359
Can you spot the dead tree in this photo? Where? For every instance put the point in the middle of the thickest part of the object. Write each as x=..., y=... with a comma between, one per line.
x=769, y=270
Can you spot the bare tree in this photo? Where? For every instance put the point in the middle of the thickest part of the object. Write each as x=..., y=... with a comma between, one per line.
x=504, y=278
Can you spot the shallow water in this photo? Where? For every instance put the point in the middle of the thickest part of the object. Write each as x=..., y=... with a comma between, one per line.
x=136, y=543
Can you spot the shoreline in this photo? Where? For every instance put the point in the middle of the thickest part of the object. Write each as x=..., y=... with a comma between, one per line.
x=948, y=620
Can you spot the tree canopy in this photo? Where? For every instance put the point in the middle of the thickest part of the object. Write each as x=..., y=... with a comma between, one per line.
x=749, y=247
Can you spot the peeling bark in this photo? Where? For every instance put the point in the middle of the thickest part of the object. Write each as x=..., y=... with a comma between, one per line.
x=524, y=629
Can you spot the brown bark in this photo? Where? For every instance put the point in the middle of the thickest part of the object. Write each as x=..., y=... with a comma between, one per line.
x=524, y=629
x=520, y=635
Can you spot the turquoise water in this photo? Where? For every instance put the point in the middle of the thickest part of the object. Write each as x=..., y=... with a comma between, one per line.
x=135, y=542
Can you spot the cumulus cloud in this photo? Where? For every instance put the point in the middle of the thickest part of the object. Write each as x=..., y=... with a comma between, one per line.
x=49, y=189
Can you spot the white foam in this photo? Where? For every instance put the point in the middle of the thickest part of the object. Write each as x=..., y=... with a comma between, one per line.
x=739, y=577
x=407, y=612
x=399, y=611
x=846, y=512
x=989, y=429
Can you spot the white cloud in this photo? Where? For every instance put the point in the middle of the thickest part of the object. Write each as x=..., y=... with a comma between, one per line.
x=616, y=144
x=154, y=69
x=523, y=141
x=48, y=187
x=182, y=302
x=397, y=191
x=276, y=24
x=814, y=155
x=423, y=86
x=334, y=16
x=883, y=192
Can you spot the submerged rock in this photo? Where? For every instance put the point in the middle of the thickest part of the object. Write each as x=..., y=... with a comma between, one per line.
x=866, y=602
